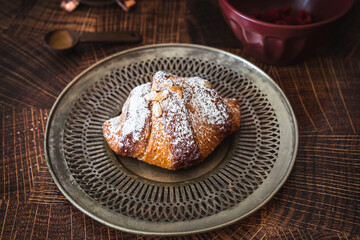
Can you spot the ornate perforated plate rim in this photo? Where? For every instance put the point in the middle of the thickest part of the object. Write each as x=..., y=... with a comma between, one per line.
x=278, y=175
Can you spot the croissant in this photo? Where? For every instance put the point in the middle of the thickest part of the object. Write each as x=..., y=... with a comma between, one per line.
x=173, y=122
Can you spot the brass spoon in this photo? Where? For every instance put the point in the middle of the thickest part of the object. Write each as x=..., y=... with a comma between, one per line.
x=65, y=39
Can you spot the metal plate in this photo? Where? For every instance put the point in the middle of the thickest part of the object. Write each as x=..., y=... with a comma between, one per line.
x=241, y=175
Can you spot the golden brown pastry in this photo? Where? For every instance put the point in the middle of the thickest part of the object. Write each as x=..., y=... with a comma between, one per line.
x=173, y=122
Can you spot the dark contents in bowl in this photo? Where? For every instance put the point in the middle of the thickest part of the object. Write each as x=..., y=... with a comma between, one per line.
x=284, y=16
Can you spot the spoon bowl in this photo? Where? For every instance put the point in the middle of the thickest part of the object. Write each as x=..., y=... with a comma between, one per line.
x=61, y=39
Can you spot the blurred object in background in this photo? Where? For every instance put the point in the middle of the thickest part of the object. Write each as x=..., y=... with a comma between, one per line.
x=126, y=4
x=70, y=5
x=275, y=43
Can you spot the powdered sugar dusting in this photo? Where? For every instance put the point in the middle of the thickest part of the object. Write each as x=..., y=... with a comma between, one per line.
x=137, y=112
x=207, y=102
x=114, y=127
x=184, y=149
x=162, y=76
x=197, y=92
x=176, y=120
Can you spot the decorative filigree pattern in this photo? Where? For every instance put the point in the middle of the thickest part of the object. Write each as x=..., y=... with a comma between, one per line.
x=97, y=171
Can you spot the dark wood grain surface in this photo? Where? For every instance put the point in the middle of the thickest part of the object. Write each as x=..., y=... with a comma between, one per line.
x=320, y=200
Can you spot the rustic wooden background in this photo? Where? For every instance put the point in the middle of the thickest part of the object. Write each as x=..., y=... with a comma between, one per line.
x=320, y=200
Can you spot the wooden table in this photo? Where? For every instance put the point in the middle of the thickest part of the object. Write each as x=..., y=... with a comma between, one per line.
x=321, y=198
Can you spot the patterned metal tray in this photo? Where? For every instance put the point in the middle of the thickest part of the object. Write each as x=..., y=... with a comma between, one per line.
x=240, y=176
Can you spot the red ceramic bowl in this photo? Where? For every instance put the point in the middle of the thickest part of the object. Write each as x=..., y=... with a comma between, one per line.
x=282, y=44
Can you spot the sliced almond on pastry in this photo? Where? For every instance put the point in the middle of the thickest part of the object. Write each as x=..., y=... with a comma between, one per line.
x=157, y=109
x=207, y=84
x=161, y=95
x=167, y=84
x=150, y=96
x=177, y=90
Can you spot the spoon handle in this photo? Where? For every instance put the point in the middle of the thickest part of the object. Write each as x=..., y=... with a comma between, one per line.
x=108, y=37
